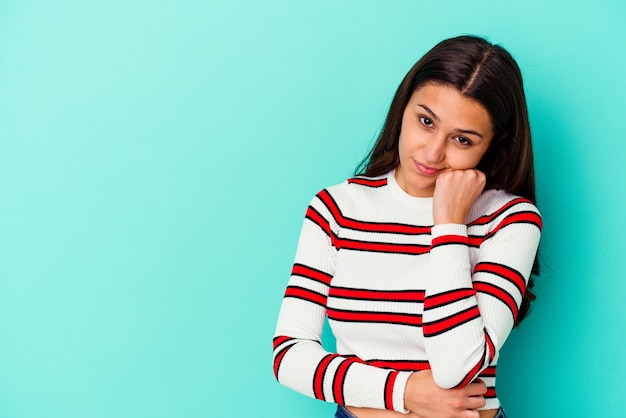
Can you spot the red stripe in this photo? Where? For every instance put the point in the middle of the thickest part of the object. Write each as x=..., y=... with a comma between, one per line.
x=318, y=219
x=505, y=272
x=488, y=372
x=389, y=384
x=491, y=392
x=318, y=377
x=469, y=378
x=279, y=358
x=402, y=365
x=442, y=299
x=368, y=182
x=524, y=217
x=498, y=293
x=475, y=241
x=280, y=339
x=485, y=219
x=517, y=218
x=305, y=294
x=491, y=346
x=380, y=295
x=340, y=377
x=450, y=239
x=349, y=223
x=311, y=273
x=377, y=317
x=382, y=247
x=433, y=328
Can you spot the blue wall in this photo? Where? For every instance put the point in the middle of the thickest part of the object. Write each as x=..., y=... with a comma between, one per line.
x=156, y=159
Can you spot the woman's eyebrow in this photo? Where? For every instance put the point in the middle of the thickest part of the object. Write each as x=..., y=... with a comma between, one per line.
x=434, y=116
x=469, y=131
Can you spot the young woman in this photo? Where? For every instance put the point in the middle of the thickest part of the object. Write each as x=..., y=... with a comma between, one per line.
x=422, y=262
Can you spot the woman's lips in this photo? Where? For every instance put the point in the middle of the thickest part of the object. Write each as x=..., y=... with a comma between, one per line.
x=426, y=170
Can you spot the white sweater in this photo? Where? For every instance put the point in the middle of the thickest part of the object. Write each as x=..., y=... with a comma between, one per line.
x=401, y=295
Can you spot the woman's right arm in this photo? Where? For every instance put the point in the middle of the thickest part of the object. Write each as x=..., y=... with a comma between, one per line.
x=300, y=361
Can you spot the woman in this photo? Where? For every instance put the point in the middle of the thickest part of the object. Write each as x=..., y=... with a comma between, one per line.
x=422, y=262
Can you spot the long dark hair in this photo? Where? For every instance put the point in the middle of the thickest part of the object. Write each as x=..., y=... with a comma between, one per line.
x=488, y=74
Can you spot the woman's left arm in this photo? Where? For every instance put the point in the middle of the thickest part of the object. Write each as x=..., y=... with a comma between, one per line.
x=469, y=312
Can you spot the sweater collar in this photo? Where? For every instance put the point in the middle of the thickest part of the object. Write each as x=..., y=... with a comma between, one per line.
x=404, y=197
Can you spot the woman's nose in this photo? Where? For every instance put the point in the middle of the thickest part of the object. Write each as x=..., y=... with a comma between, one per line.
x=435, y=150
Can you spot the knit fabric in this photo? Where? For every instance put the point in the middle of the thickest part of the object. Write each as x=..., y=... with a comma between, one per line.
x=400, y=294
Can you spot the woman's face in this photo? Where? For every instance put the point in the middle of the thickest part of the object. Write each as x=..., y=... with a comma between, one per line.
x=441, y=130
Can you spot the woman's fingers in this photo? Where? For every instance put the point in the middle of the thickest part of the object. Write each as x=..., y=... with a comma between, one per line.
x=455, y=193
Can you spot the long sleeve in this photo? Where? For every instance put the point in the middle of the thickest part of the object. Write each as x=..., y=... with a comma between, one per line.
x=300, y=361
x=401, y=295
x=477, y=279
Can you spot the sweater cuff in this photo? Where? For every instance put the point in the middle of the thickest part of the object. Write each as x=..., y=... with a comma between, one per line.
x=398, y=391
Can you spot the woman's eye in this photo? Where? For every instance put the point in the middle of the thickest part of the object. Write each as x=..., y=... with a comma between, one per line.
x=426, y=121
x=463, y=141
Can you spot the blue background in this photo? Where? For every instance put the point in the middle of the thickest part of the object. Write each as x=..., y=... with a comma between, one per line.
x=157, y=157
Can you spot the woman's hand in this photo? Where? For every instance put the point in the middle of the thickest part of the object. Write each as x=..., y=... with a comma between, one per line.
x=455, y=193
x=427, y=400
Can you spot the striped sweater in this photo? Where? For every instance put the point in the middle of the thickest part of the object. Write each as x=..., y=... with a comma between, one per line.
x=400, y=294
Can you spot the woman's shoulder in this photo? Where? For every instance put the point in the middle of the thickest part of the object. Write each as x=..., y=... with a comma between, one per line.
x=495, y=202
x=358, y=185
x=353, y=194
